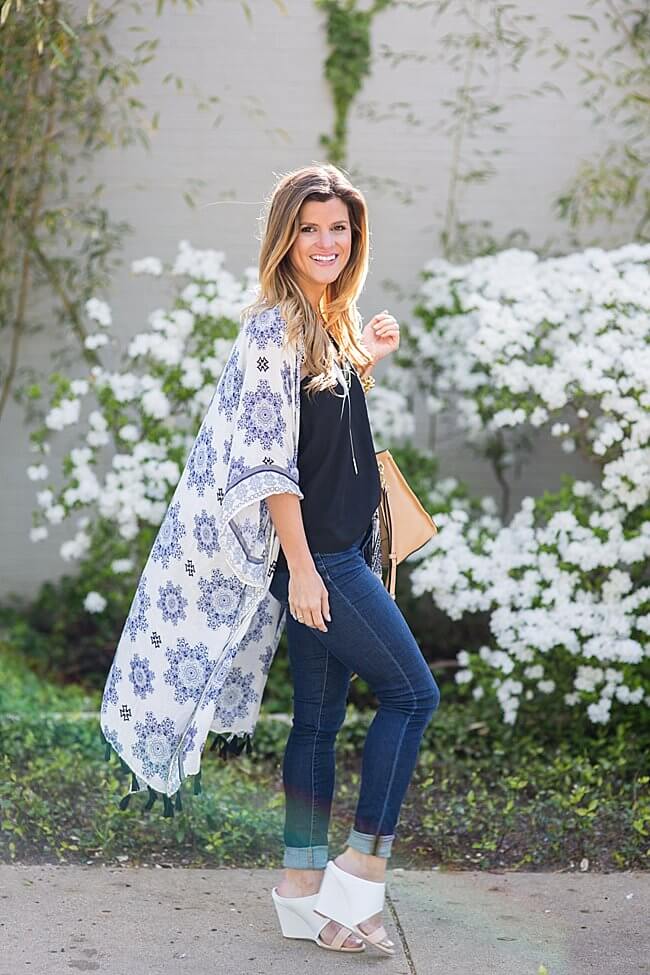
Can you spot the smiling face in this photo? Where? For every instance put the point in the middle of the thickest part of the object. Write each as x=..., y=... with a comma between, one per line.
x=322, y=248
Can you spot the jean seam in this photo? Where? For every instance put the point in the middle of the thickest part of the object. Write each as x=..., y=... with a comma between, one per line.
x=386, y=650
x=392, y=774
x=313, y=754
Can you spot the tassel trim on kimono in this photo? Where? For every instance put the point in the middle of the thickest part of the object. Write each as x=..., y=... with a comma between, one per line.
x=228, y=745
x=233, y=745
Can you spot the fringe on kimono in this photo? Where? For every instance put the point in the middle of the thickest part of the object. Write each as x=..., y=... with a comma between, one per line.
x=225, y=744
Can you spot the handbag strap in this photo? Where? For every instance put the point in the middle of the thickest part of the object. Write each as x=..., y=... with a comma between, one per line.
x=384, y=509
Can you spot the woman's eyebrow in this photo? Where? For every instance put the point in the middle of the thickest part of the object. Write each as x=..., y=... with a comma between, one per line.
x=312, y=223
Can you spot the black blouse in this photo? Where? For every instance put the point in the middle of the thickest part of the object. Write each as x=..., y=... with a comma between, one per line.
x=339, y=500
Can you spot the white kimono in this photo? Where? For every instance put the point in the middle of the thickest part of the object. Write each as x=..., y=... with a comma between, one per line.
x=198, y=642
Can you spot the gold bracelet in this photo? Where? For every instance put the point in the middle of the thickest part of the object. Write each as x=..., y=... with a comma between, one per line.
x=367, y=382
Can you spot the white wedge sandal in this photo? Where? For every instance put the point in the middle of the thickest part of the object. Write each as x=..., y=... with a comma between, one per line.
x=298, y=920
x=349, y=900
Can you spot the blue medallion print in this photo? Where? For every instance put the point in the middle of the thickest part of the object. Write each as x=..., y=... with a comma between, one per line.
x=230, y=385
x=255, y=632
x=200, y=464
x=137, y=618
x=264, y=327
x=220, y=599
x=110, y=691
x=234, y=697
x=155, y=744
x=260, y=620
x=261, y=416
x=266, y=659
x=141, y=676
x=292, y=469
x=227, y=446
x=111, y=736
x=237, y=468
x=188, y=671
x=167, y=544
x=249, y=531
x=189, y=741
x=205, y=533
x=172, y=603
x=218, y=676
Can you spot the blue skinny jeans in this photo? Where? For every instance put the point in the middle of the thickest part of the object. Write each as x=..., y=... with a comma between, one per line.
x=367, y=635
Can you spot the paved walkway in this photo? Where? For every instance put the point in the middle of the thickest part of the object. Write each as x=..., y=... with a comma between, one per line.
x=130, y=921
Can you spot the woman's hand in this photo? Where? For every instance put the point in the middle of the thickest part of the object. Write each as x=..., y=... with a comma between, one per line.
x=308, y=598
x=381, y=336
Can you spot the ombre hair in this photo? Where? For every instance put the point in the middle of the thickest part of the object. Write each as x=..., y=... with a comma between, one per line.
x=278, y=284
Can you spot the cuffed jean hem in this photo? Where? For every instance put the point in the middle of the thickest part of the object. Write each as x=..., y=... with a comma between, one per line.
x=305, y=857
x=378, y=846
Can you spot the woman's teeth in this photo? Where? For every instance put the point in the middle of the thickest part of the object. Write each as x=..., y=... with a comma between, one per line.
x=324, y=260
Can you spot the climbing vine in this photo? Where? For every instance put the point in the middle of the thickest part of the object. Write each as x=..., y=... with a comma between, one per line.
x=348, y=63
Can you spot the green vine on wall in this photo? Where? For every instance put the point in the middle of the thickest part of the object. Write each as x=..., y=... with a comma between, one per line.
x=348, y=63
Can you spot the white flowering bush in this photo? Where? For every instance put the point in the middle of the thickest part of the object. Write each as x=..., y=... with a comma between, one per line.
x=135, y=424
x=513, y=343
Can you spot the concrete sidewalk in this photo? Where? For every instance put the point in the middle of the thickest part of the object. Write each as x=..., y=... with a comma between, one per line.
x=146, y=921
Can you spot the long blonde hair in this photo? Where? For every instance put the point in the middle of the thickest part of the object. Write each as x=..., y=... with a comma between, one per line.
x=278, y=285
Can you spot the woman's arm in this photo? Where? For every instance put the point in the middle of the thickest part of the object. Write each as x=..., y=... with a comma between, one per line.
x=307, y=594
x=286, y=516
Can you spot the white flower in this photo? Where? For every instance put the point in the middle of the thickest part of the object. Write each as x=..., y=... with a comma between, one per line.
x=37, y=472
x=121, y=565
x=94, y=602
x=147, y=265
x=463, y=676
x=155, y=404
x=582, y=489
x=99, y=311
x=95, y=341
x=75, y=548
x=599, y=713
x=63, y=415
x=55, y=514
x=129, y=432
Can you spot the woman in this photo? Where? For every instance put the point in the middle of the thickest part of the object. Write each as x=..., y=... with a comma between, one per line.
x=283, y=462
x=314, y=260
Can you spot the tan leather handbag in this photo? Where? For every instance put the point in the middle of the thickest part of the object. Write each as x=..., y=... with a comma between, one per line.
x=405, y=526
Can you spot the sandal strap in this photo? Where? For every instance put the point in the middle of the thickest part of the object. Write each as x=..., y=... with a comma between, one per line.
x=340, y=937
x=379, y=934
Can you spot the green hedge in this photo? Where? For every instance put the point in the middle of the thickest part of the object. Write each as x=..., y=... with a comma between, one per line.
x=480, y=797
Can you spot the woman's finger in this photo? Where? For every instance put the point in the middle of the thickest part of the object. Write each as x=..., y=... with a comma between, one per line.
x=381, y=319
